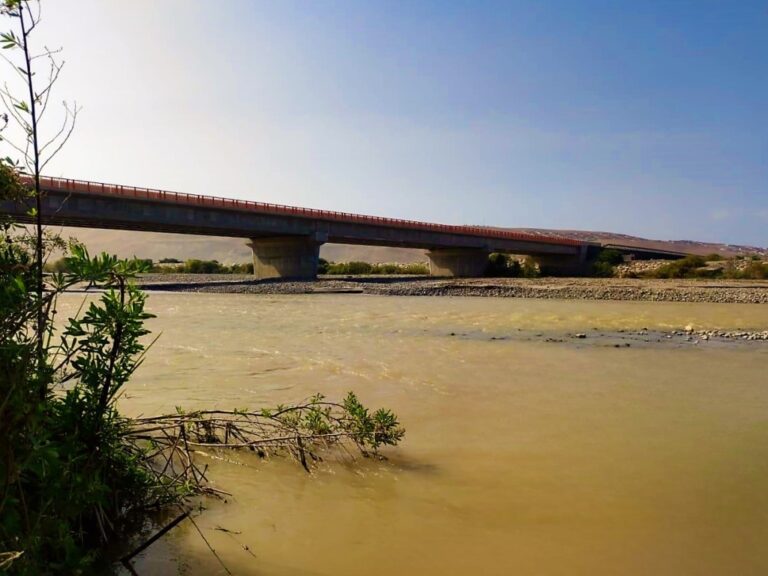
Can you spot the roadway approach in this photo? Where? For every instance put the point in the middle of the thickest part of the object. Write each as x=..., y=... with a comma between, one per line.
x=286, y=240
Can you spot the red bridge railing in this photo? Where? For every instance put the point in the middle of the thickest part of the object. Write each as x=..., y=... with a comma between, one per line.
x=115, y=190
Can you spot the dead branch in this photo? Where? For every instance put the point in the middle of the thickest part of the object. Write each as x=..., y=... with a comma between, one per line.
x=171, y=443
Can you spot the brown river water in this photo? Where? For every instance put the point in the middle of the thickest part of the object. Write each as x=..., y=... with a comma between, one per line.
x=521, y=456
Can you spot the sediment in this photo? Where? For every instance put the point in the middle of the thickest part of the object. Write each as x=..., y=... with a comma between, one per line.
x=713, y=291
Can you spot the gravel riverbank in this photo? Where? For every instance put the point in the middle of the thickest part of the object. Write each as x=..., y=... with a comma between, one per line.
x=716, y=291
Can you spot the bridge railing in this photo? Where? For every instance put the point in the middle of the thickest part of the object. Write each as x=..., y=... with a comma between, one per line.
x=115, y=190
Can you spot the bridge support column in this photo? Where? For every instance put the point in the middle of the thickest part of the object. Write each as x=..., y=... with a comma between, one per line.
x=565, y=265
x=285, y=257
x=466, y=262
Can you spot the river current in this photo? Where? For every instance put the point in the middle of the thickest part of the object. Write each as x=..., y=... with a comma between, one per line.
x=521, y=456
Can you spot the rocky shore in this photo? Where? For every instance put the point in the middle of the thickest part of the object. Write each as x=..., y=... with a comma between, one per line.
x=715, y=291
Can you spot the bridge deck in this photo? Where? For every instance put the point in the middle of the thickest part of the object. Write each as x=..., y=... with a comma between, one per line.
x=83, y=187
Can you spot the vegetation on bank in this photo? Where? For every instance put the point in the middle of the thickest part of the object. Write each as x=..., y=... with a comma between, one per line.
x=708, y=267
x=606, y=262
x=363, y=268
x=74, y=473
x=507, y=266
x=172, y=266
x=195, y=266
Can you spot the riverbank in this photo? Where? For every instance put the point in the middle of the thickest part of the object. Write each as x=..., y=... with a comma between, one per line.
x=715, y=291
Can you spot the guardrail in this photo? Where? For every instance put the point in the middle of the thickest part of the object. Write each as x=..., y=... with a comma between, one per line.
x=116, y=190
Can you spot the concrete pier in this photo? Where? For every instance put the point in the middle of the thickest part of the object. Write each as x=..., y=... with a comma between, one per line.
x=459, y=262
x=565, y=265
x=285, y=257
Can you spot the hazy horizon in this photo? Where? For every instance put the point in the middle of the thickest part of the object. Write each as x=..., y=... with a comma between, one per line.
x=648, y=120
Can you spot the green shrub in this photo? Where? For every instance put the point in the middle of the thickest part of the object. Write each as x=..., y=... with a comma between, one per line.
x=684, y=268
x=246, y=268
x=755, y=271
x=415, y=268
x=530, y=269
x=202, y=267
x=611, y=257
x=349, y=268
x=360, y=268
x=603, y=270
x=606, y=262
x=503, y=266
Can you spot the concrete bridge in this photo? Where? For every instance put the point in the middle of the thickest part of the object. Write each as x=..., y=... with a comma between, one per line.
x=286, y=240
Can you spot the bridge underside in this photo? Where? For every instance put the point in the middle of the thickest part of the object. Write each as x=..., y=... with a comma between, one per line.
x=298, y=257
x=286, y=246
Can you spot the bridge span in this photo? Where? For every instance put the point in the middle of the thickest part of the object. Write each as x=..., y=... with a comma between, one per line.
x=286, y=239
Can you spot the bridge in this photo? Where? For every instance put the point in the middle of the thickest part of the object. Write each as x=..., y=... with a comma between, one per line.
x=286, y=240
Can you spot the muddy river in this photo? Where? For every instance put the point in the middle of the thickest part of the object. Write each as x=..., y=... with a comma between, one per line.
x=527, y=451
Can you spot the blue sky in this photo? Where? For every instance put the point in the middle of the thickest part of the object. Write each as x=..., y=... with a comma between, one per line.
x=647, y=118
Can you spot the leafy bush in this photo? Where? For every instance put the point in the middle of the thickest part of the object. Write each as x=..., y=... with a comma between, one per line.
x=361, y=268
x=240, y=268
x=67, y=443
x=530, y=269
x=606, y=262
x=415, y=268
x=195, y=266
x=503, y=266
x=755, y=271
x=683, y=268
x=349, y=268
x=603, y=270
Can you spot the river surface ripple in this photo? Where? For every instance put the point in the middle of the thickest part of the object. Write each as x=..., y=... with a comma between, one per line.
x=521, y=456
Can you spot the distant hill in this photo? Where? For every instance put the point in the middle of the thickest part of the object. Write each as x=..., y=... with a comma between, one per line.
x=689, y=246
x=157, y=245
x=234, y=250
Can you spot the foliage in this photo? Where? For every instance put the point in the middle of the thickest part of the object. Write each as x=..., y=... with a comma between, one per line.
x=736, y=268
x=683, y=268
x=610, y=256
x=302, y=430
x=194, y=266
x=606, y=262
x=503, y=265
x=530, y=269
x=356, y=268
x=753, y=271
x=66, y=440
x=371, y=430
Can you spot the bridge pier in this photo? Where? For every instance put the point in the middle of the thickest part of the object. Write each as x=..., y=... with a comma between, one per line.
x=285, y=257
x=465, y=262
x=565, y=265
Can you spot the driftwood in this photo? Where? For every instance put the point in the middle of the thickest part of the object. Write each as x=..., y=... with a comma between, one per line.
x=170, y=443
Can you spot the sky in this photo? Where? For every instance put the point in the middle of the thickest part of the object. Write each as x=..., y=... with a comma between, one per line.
x=646, y=118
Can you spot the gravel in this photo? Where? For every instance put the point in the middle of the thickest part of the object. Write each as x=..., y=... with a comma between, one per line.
x=719, y=291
